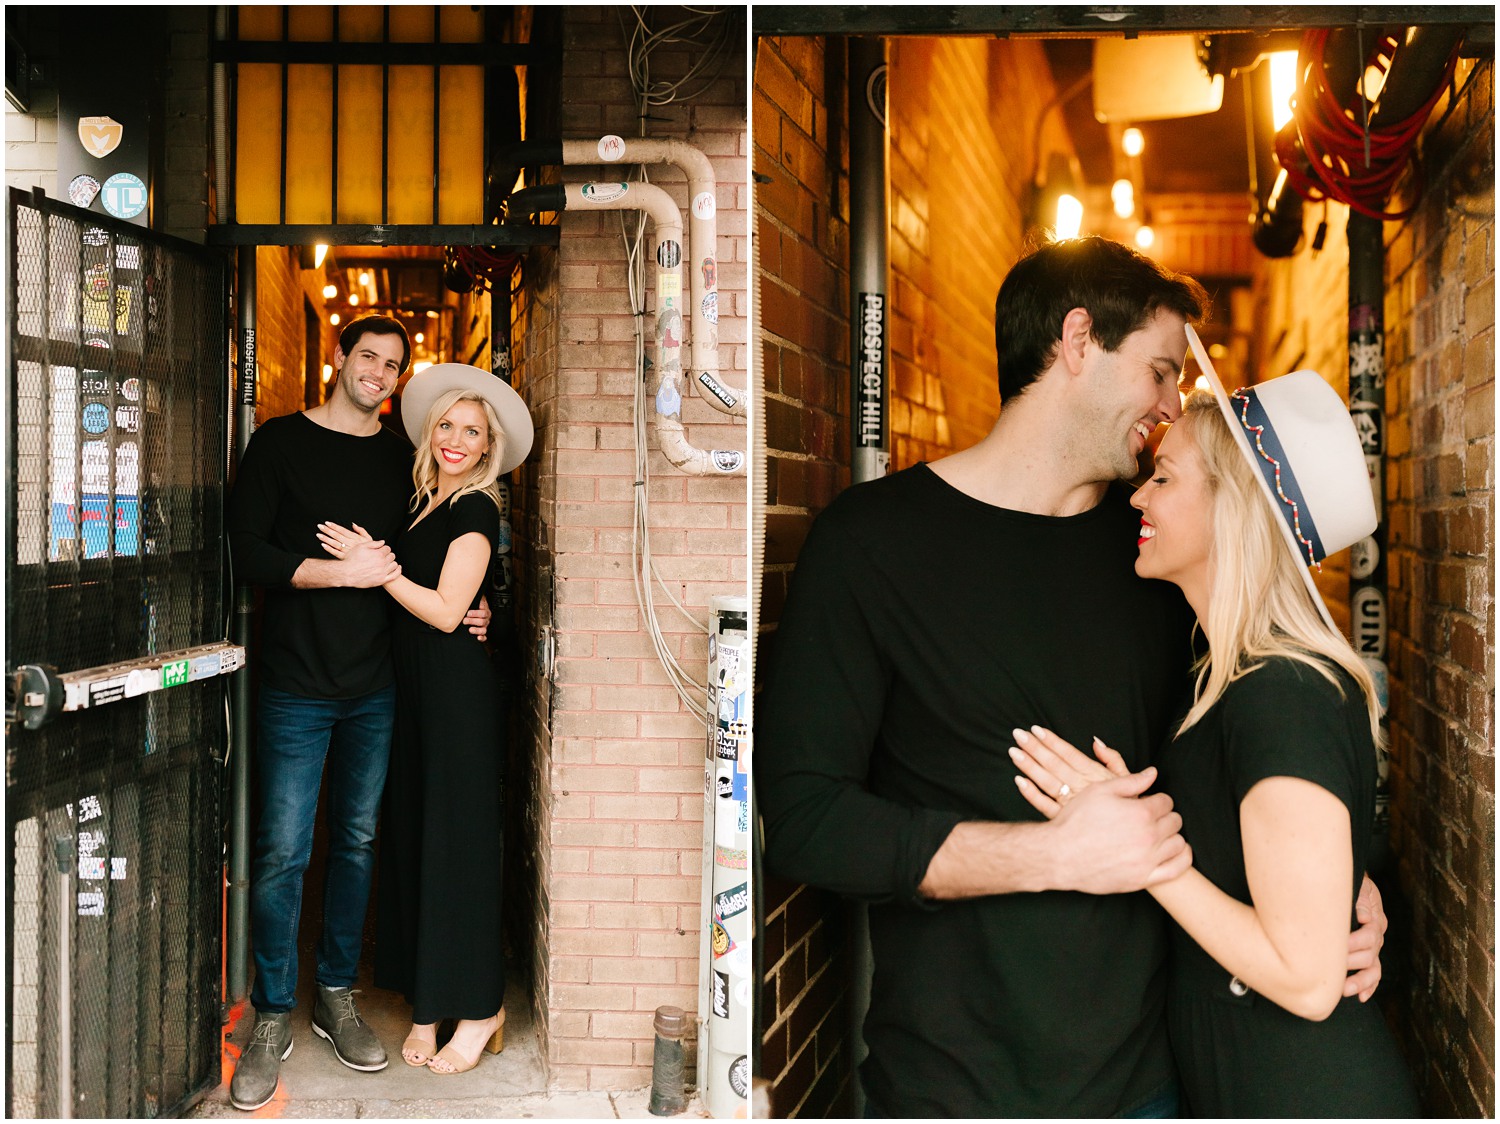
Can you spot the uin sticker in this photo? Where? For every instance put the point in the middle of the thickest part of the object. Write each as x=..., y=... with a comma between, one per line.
x=82, y=190
x=100, y=135
x=704, y=205
x=669, y=254
x=611, y=147
x=604, y=192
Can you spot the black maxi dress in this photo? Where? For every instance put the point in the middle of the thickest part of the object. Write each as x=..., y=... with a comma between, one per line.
x=1238, y=1053
x=437, y=917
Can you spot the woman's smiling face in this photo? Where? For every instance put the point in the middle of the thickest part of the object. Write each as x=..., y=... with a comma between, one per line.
x=1176, y=507
x=460, y=438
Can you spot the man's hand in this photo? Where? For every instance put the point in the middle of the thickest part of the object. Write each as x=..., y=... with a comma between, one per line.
x=478, y=620
x=1109, y=839
x=1366, y=942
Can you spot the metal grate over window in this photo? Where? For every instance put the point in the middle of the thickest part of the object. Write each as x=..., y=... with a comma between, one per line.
x=117, y=450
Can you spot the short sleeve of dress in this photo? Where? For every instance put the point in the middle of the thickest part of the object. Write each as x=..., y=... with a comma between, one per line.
x=475, y=512
x=1285, y=719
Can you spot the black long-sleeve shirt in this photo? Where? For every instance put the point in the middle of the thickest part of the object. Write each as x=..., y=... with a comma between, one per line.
x=319, y=643
x=923, y=626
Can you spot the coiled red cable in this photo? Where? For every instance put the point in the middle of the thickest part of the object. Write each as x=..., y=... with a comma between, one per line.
x=1325, y=157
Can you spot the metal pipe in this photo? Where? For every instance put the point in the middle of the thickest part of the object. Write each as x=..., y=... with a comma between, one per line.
x=237, y=952
x=670, y=434
x=869, y=225
x=63, y=849
x=221, y=117
x=701, y=253
x=1417, y=69
x=869, y=393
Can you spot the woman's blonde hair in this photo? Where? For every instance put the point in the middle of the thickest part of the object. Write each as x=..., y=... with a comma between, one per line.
x=482, y=478
x=1259, y=606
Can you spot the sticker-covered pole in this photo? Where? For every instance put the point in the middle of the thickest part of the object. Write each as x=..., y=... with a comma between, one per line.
x=869, y=299
x=1367, y=570
x=724, y=955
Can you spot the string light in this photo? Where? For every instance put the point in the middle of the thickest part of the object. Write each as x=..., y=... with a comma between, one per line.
x=1133, y=141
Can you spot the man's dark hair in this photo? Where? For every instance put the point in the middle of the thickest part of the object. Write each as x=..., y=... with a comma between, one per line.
x=376, y=325
x=1120, y=289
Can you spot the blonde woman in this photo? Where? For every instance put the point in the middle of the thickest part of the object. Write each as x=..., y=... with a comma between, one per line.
x=438, y=937
x=1272, y=766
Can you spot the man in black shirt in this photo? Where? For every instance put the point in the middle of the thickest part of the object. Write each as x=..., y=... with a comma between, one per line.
x=1017, y=970
x=326, y=685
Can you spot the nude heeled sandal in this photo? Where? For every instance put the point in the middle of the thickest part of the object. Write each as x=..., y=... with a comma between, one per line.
x=462, y=1064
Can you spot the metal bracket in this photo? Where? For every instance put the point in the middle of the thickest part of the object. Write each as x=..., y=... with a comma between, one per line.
x=34, y=695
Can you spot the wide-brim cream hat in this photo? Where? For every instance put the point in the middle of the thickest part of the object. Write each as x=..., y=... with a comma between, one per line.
x=431, y=383
x=1295, y=432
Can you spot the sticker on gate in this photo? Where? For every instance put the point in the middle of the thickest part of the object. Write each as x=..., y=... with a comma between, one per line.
x=124, y=195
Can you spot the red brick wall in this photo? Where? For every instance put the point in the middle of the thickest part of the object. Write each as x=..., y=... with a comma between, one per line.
x=957, y=203
x=1440, y=436
x=1440, y=352
x=615, y=797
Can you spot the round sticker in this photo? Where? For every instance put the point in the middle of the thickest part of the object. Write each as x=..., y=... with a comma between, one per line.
x=739, y=1075
x=131, y=389
x=669, y=254
x=95, y=417
x=82, y=190
x=1363, y=558
x=711, y=307
x=611, y=147
x=604, y=192
x=703, y=205
x=124, y=195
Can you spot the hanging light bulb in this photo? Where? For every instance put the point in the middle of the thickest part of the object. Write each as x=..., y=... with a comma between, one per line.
x=1283, y=87
x=364, y=276
x=432, y=314
x=1145, y=237
x=1069, y=217
x=1122, y=194
x=330, y=291
x=333, y=318
x=353, y=298
x=1133, y=141
x=418, y=337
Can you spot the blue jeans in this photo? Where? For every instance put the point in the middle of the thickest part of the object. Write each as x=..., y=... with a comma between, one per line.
x=296, y=734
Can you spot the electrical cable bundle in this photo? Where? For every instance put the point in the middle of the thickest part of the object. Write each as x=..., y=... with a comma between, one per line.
x=1335, y=152
x=466, y=268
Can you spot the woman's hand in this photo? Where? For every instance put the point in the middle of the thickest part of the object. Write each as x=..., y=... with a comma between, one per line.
x=1055, y=771
x=367, y=562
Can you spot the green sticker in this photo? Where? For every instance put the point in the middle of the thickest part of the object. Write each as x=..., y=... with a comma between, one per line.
x=174, y=674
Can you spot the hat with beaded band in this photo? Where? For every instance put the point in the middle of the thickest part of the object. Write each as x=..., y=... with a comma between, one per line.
x=1296, y=434
x=431, y=383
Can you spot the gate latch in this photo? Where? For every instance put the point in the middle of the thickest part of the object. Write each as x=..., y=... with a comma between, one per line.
x=34, y=695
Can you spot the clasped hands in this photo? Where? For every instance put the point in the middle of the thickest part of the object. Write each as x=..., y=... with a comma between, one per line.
x=1056, y=779
x=370, y=562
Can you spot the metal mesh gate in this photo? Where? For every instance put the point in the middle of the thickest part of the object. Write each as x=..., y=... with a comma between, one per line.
x=117, y=450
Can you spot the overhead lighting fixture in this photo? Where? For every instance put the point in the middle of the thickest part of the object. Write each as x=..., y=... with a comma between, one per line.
x=330, y=291
x=333, y=318
x=1069, y=217
x=432, y=314
x=364, y=276
x=1283, y=87
x=320, y=252
x=419, y=337
x=1145, y=237
x=1133, y=141
x=353, y=298
x=1122, y=194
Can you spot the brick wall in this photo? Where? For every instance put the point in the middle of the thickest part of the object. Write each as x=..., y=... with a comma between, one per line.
x=1440, y=352
x=958, y=198
x=1440, y=427
x=617, y=760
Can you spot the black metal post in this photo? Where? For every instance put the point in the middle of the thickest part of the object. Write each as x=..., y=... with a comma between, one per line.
x=1367, y=570
x=869, y=396
x=237, y=951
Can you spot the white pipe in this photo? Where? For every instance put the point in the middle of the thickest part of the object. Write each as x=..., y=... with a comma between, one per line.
x=670, y=435
x=703, y=228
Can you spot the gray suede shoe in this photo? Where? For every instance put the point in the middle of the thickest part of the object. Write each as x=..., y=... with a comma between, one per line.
x=259, y=1067
x=336, y=1019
